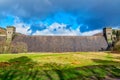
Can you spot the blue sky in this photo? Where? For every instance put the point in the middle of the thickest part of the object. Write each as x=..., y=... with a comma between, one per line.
x=60, y=17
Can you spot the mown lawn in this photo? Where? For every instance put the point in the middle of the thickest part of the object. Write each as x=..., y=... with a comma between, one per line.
x=60, y=66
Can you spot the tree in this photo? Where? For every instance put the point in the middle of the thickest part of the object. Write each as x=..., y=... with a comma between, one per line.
x=117, y=47
x=118, y=35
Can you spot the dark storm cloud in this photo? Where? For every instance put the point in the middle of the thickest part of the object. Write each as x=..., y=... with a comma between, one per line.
x=92, y=13
x=42, y=7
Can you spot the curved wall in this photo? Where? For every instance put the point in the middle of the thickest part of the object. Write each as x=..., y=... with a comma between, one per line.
x=63, y=43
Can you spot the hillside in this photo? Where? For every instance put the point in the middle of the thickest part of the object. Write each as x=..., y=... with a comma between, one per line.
x=2, y=31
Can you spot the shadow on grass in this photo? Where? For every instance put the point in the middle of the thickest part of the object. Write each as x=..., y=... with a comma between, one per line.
x=113, y=52
x=24, y=68
x=118, y=57
x=106, y=62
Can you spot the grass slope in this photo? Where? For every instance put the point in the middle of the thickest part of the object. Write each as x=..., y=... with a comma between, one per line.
x=60, y=66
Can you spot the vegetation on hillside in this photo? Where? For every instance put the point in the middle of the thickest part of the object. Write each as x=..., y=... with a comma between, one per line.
x=2, y=31
x=65, y=66
x=117, y=47
x=116, y=33
x=116, y=43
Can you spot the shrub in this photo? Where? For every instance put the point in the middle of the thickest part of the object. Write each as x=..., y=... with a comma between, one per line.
x=117, y=47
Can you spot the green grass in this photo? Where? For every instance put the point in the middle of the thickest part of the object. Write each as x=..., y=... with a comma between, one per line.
x=60, y=66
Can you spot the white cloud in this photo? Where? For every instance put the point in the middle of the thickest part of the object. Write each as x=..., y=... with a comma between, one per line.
x=116, y=27
x=61, y=30
x=58, y=30
x=54, y=29
x=21, y=27
x=90, y=33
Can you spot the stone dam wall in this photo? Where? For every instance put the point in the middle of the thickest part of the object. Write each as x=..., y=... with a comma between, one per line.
x=2, y=38
x=63, y=43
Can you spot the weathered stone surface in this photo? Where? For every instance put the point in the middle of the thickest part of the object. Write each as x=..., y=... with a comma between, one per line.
x=63, y=43
x=2, y=38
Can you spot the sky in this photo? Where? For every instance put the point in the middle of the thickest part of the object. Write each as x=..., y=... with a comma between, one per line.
x=60, y=17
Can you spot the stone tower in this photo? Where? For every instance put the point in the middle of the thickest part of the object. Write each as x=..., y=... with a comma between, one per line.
x=10, y=33
x=108, y=35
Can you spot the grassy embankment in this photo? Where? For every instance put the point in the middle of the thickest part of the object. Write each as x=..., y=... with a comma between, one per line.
x=60, y=66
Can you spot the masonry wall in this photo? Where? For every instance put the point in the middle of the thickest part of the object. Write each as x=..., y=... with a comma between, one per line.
x=2, y=38
x=62, y=43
